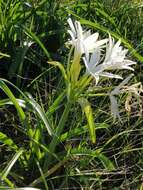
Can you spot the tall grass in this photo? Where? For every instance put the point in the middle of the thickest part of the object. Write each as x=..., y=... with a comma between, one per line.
x=49, y=139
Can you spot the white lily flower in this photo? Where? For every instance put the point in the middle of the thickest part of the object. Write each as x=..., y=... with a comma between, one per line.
x=117, y=91
x=83, y=39
x=95, y=69
x=115, y=58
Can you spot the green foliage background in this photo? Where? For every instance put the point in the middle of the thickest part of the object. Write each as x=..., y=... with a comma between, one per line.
x=37, y=91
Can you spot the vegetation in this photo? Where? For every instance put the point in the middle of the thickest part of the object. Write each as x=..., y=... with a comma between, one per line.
x=65, y=124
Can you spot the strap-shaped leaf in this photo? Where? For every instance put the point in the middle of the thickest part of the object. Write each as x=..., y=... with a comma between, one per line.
x=41, y=113
x=8, y=92
x=86, y=107
x=81, y=130
x=60, y=66
x=7, y=169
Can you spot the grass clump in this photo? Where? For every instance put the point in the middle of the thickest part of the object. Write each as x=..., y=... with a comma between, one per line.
x=70, y=107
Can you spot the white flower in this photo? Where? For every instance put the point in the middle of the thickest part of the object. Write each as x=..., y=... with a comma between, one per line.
x=82, y=40
x=117, y=91
x=95, y=69
x=115, y=58
x=27, y=43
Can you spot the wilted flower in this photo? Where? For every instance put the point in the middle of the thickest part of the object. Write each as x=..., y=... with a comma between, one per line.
x=134, y=100
x=117, y=91
x=115, y=58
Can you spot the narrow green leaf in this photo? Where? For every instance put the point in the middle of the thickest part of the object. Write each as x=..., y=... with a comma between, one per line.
x=7, y=141
x=60, y=66
x=56, y=104
x=39, y=76
x=81, y=130
x=8, y=102
x=4, y=55
x=7, y=169
x=106, y=162
x=86, y=107
x=8, y=92
x=42, y=176
x=41, y=114
x=22, y=188
x=37, y=40
x=49, y=172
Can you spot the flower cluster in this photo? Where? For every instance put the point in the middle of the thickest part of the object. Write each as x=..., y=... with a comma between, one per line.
x=89, y=45
x=97, y=63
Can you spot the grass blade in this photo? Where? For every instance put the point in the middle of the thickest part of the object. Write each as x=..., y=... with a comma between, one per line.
x=7, y=169
x=41, y=114
x=106, y=162
x=37, y=40
x=8, y=92
x=86, y=107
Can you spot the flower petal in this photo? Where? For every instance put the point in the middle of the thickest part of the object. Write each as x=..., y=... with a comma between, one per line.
x=72, y=26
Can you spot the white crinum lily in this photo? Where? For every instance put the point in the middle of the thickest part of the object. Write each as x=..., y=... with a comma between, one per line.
x=117, y=91
x=83, y=39
x=115, y=59
x=116, y=56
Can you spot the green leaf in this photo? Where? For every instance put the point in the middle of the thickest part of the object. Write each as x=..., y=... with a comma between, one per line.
x=37, y=40
x=7, y=169
x=60, y=66
x=108, y=165
x=106, y=162
x=86, y=107
x=8, y=92
x=7, y=141
x=8, y=102
x=41, y=114
x=26, y=188
x=56, y=104
x=4, y=55
x=81, y=130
